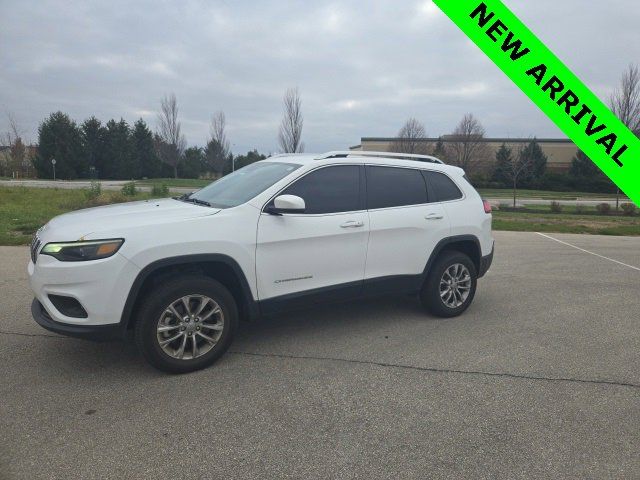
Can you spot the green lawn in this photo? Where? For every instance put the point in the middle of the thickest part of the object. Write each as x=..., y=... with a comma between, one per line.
x=521, y=194
x=524, y=221
x=23, y=210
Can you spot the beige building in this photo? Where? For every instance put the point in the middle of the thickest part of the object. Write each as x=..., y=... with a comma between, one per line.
x=559, y=151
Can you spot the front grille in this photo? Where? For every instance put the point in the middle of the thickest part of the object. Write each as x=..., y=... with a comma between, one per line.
x=36, y=243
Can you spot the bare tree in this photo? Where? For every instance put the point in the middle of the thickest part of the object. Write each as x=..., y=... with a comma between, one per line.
x=513, y=166
x=410, y=138
x=15, y=158
x=290, y=134
x=218, y=151
x=169, y=132
x=625, y=104
x=465, y=146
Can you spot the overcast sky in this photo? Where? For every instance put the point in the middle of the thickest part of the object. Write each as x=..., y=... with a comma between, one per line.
x=362, y=67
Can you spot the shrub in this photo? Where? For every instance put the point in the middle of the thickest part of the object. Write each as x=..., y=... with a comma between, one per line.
x=129, y=189
x=556, y=207
x=159, y=190
x=95, y=189
x=603, y=208
x=556, y=182
x=107, y=198
x=580, y=209
x=629, y=208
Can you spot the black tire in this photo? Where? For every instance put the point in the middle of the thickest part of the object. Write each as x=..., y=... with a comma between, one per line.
x=430, y=293
x=157, y=301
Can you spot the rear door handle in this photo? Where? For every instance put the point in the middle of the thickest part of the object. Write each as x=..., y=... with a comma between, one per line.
x=352, y=224
x=434, y=216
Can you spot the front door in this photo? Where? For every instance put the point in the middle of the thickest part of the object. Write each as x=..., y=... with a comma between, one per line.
x=321, y=251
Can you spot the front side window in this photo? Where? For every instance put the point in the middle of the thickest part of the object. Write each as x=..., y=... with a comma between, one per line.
x=441, y=187
x=394, y=187
x=242, y=185
x=329, y=190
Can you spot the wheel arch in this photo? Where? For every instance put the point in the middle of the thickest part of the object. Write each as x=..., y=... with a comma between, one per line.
x=217, y=266
x=467, y=244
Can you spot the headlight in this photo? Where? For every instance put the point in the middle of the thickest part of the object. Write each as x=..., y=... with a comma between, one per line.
x=82, y=251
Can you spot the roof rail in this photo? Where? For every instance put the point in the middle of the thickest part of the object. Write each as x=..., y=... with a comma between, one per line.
x=360, y=153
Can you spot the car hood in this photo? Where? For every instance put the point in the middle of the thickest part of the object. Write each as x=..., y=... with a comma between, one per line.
x=114, y=220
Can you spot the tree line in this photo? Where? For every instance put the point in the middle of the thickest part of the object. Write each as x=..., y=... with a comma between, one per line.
x=513, y=165
x=522, y=166
x=118, y=150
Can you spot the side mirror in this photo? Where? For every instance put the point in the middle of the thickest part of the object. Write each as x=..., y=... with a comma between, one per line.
x=286, y=204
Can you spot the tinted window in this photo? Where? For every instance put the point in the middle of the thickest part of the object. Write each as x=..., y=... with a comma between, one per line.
x=244, y=184
x=394, y=187
x=329, y=190
x=442, y=187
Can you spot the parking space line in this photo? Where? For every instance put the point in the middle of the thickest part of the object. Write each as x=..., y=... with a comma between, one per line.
x=587, y=251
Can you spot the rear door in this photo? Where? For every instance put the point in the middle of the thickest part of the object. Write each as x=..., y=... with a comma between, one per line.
x=404, y=227
x=322, y=250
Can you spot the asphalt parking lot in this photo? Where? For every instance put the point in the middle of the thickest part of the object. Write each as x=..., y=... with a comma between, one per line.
x=539, y=379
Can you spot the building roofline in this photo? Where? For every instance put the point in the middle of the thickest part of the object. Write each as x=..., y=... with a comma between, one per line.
x=487, y=139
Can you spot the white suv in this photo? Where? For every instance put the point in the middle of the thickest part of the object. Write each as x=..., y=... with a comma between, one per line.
x=286, y=232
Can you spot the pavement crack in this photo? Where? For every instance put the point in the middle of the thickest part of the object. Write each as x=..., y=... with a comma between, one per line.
x=19, y=334
x=441, y=370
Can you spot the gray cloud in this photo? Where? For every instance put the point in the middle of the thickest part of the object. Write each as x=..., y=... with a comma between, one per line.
x=361, y=67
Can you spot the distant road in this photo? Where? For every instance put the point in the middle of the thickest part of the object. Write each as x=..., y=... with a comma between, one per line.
x=117, y=185
x=79, y=184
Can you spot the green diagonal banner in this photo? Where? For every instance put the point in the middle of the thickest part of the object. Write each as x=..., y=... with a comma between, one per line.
x=552, y=87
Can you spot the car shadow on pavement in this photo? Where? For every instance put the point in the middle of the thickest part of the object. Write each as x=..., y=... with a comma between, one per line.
x=316, y=324
x=330, y=320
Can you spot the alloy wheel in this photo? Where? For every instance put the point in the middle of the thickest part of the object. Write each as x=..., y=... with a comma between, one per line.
x=455, y=285
x=190, y=327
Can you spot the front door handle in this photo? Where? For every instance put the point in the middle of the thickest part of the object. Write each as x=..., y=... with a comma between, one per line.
x=434, y=216
x=352, y=224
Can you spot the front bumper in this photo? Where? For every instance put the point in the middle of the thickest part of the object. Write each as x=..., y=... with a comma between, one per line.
x=87, y=332
x=485, y=262
x=100, y=287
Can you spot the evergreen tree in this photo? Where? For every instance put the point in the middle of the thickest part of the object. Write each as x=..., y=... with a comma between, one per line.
x=582, y=166
x=59, y=137
x=584, y=175
x=120, y=162
x=439, y=150
x=216, y=157
x=244, y=160
x=193, y=163
x=537, y=160
x=144, y=151
x=504, y=159
x=93, y=138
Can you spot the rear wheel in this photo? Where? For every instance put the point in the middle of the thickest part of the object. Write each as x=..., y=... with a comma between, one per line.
x=186, y=324
x=450, y=286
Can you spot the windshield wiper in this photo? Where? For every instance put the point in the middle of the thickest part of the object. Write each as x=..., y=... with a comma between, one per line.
x=187, y=198
x=199, y=202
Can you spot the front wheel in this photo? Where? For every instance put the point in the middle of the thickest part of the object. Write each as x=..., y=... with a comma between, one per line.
x=186, y=324
x=450, y=286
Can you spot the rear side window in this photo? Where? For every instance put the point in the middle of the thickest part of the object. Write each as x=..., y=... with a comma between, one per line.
x=441, y=187
x=329, y=190
x=394, y=187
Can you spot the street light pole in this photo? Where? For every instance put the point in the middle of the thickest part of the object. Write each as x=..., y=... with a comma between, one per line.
x=53, y=162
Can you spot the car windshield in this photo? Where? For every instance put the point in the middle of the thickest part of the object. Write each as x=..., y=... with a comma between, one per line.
x=242, y=185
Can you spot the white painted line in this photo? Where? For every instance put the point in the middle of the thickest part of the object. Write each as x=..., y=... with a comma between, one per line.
x=587, y=251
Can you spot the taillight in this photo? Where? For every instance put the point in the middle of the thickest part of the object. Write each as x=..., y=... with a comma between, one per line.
x=487, y=206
